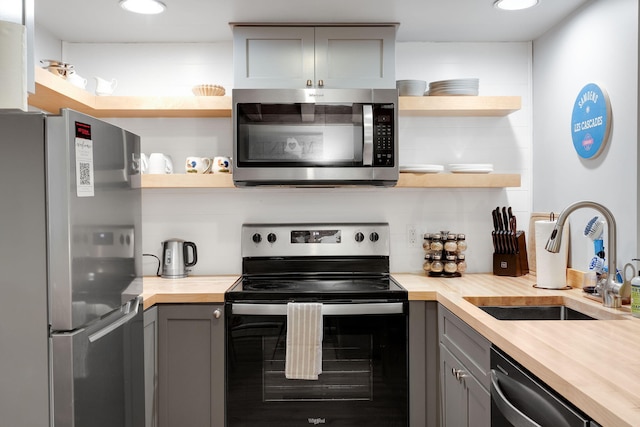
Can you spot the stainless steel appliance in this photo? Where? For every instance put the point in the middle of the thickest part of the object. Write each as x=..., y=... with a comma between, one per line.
x=70, y=305
x=315, y=137
x=364, y=349
x=175, y=258
x=519, y=399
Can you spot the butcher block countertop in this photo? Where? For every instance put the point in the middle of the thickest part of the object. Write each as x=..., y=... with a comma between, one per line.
x=593, y=364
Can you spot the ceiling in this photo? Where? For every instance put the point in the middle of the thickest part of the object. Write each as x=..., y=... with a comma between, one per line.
x=103, y=21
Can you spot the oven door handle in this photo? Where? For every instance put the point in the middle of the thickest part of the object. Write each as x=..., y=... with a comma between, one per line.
x=327, y=309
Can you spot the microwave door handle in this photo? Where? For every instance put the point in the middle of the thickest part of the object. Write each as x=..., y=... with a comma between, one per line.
x=367, y=128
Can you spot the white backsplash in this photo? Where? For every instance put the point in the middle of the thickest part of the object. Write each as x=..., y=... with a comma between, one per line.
x=212, y=217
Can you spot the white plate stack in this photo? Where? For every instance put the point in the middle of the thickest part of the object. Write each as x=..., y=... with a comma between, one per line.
x=419, y=168
x=454, y=87
x=471, y=168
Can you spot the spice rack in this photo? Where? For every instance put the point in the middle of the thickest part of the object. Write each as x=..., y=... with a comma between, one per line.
x=444, y=254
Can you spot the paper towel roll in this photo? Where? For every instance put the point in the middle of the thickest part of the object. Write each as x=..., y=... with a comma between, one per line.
x=13, y=71
x=551, y=272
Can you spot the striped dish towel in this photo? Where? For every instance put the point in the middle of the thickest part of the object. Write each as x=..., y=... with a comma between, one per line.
x=304, y=341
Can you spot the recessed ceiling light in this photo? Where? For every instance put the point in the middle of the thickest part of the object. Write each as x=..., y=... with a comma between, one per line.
x=147, y=7
x=515, y=4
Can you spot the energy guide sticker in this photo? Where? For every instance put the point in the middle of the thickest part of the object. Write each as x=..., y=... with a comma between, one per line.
x=84, y=161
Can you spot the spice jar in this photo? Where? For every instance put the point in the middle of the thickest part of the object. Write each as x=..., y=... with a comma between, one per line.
x=451, y=245
x=437, y=266
x=436, y=242
x=427, y=263
x=462, y=243
x=426, y=243
x=450, y=266
x=462, y=263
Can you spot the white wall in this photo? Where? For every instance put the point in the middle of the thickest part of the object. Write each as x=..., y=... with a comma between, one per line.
x=212, y=218
x=152, y=69
x=598, y=44
x=46, y=46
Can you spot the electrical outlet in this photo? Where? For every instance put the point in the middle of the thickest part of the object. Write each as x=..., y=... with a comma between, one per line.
x=412, y=235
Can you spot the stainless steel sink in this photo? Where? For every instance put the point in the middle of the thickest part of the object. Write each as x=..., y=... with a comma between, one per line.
x=537, y=307
x=541, y=312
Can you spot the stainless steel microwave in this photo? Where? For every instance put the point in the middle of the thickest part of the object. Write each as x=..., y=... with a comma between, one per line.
x=315, y=137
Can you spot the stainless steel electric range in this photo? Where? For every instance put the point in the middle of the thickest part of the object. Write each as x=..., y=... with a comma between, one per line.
x=364, y=324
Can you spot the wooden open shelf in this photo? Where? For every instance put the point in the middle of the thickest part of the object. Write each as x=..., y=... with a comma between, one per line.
x=53, y=93
x=457, y=180
x=459, y=106
x=185, y=180
x=407, y=180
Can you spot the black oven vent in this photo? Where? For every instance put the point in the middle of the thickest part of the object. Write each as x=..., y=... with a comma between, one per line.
x=316, y=265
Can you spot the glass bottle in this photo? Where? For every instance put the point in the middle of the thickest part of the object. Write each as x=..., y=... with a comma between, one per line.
x=450, y=266
x=427, y=263
x=426, y=243
x=436, y=242
x=462, y=263
x=451, y=245
x=437, y=265
x=462, y=243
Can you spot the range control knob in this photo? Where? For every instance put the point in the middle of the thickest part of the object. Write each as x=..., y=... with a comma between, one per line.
x=374, y=237
x=359, y=237
x=271, y=237
x=257, y=238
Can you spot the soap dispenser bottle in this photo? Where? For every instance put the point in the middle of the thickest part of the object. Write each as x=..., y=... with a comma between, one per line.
x=635, y=294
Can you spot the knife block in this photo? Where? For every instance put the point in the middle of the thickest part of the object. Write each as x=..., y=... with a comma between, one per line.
x=512, y=264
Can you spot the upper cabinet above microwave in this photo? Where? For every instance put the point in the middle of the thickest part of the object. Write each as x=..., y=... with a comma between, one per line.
x=267, y=57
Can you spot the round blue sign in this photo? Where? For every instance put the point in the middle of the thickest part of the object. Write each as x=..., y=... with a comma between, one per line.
x=590, y=121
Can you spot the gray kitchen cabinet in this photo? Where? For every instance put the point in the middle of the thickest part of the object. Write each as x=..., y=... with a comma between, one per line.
x=423, y=364
x=464, y=373
x=307, y=56
x=191, y=365
x=151, y=366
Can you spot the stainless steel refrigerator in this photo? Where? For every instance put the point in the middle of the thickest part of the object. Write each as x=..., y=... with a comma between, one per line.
x=71, y=331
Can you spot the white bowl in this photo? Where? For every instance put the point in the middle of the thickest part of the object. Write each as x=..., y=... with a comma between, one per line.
x=411, y=87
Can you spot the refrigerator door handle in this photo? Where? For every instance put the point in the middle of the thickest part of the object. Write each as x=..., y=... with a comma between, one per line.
x=129, y=314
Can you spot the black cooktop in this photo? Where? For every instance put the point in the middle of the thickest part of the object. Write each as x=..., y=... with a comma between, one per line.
x=345, y=288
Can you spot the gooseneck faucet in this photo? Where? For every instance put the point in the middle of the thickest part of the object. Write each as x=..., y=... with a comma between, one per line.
x=610, y=290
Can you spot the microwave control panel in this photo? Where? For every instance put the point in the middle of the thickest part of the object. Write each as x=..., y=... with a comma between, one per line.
x=383, y=135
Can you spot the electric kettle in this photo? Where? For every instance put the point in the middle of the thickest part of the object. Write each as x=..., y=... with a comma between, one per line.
x=175, y=258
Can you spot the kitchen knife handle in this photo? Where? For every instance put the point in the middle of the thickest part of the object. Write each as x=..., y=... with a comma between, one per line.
x=505, y=217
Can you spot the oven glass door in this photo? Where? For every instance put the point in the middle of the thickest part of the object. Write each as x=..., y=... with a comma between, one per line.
x=364, y=379
x=299, y=135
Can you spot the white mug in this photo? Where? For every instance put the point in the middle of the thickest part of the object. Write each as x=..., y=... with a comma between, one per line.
x=221, y=164
x=198, y=164
x=105, y=87
x=76, y=80
x=143, y=165
x=160, y=163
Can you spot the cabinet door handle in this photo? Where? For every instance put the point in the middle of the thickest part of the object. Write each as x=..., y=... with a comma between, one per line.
x=217, y=313
x=309, y=83
x=320, y=83
x=458, y=373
